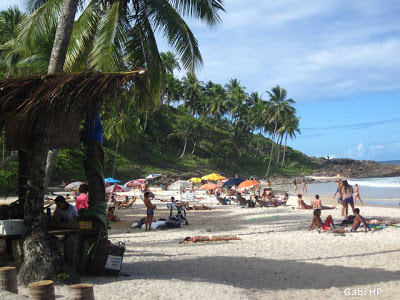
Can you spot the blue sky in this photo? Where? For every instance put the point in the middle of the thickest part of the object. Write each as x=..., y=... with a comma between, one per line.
x=339, y=60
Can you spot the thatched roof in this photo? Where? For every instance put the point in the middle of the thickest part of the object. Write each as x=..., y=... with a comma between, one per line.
x=39, y=97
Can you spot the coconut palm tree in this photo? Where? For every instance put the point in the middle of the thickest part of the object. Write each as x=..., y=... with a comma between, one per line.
x=192, y=89
x=217, y=99
x=173, y=89
x=291, y=126
x=236, y=99
x=279, y=107
x=170, y=62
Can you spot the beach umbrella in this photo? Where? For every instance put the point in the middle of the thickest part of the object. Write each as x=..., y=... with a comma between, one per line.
x=116, y=188
x=133, y=183
x=213, y=177
x=152, y=176
x=180, y=184
x=195, y=180
x=248, y=184
x=209, y=186
x=111, y=180
x=233, y=182
x=74, y=186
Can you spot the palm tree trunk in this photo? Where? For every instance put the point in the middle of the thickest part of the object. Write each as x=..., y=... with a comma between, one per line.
x=145, y=122
x=57, y=59
x=4, y=145
x=115, y=158
x=258, y=144
x=184, y=149
x=42, y=258
x=280, y=146
x=272, y=148
x=284, y=152
x=194, y=146
x=23, y=177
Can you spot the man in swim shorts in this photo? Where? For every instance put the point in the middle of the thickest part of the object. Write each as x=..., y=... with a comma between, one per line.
x=358, y=220
x=316, y=221
x=150, y=210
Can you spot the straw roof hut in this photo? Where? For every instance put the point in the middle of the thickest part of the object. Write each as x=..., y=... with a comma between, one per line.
x=44, y=111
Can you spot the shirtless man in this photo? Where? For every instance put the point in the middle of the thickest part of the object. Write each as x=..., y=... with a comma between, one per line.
x=358, y=220
x=304, y=186
x=347, y=191
x=318, y=204
x=316, y=221
x=210, y=238
x=150, y=210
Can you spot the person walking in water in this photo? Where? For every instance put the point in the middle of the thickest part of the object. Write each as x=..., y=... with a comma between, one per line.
x=357, y=194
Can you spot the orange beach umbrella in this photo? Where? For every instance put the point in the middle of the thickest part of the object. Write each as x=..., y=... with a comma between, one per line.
x=209, y=186
x=248, y=184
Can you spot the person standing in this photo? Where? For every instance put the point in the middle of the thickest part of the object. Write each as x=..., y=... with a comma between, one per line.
x=304, y=186
x=150, y=210
x=357, y=194
x=295, y=188
x=82, y=201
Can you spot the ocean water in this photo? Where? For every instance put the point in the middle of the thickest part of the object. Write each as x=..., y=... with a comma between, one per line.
x=378, y=191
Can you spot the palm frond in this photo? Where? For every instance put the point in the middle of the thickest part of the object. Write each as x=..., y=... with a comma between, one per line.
x=34, y=28
x=205, y=10
x=82, y=35
x=166, y=19
x=107, y=48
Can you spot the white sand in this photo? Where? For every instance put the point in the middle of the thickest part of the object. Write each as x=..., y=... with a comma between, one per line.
x=277, y=257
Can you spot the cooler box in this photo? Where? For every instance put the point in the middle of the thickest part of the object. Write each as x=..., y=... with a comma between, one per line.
x=11, y=227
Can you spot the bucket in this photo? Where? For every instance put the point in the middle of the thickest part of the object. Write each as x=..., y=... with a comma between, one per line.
x=42, y=290
x=8, y=279
x=83, y=291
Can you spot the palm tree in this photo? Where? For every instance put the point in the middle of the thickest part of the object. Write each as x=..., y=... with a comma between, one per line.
x=237, y=98
x=291, y=127
x=173, y=89
x=279, y=107
x=170, y=62
x=256, y=108
x=184, y=129
x=192, y=92
x=217, y=99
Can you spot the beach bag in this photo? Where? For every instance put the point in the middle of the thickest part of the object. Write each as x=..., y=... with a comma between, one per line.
x=107, y=259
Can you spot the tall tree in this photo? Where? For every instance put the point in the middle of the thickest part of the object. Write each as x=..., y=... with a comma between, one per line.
x=291, y=126
x=278, y=108
x=217, y=98
x=170, y=62
x=192, y=92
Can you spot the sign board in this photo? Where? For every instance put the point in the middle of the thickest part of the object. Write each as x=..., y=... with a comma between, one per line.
x=114, y=262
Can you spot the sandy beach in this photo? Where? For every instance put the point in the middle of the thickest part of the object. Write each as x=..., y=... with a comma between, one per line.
x=277, y=258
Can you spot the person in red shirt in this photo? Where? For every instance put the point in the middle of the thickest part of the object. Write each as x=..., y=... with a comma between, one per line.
x=82, y=201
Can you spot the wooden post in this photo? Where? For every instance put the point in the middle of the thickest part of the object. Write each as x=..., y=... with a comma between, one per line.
x=8, y=279
x=42, y=290
x=83, y=291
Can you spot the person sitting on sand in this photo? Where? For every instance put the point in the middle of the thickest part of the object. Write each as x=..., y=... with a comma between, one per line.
x=110, y=215
x=316, y=221
x=302, y=204
x=318, y=204
x=358, y=220
x=222, y=200
x=240, y=199
x=209, y=238
x=127, y=203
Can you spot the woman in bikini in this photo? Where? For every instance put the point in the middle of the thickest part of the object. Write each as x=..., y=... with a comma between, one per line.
x=357, y=194
x=295, y=188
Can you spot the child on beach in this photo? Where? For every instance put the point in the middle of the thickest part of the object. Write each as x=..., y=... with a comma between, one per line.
x=150, y=210
x=316, y=221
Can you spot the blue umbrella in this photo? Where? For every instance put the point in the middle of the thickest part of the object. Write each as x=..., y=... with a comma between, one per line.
x=111, y=180
x=233, y=182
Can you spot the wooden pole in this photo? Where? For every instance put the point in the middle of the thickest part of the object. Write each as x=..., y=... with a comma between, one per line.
x=8, y=279
x=83, y=291
x=42, y=290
